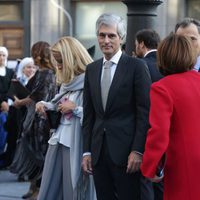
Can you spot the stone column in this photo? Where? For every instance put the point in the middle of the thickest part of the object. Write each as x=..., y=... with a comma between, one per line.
x=48, y=20
x=141, y=14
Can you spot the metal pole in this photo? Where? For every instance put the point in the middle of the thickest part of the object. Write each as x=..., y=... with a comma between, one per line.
x=66, y=14
x=141, y=14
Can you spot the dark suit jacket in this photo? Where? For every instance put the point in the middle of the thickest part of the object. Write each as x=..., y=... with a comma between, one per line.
x=125, y=120
x=5, y=84
x=151, y=62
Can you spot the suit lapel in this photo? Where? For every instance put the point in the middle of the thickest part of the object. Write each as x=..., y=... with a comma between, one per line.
x=97, y=83
x=119, y=75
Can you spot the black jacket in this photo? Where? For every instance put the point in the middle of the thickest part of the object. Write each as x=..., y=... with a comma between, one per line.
x=124, y=123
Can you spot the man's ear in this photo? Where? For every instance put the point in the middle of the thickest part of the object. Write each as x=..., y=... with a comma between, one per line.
x=142, y=45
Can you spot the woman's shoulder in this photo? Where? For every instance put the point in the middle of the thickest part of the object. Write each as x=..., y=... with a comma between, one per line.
x=177, y=81
x=46, y=71
x=171, y=78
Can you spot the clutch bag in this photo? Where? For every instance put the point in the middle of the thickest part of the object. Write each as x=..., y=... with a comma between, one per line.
x=53, y=118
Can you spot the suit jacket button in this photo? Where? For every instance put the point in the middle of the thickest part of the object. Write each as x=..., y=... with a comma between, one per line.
x=104, y=129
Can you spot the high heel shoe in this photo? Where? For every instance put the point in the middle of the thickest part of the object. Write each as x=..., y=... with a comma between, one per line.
x=34, y=195
x=31, y=190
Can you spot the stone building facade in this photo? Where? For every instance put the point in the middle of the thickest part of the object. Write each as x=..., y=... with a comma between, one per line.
x=24, y=22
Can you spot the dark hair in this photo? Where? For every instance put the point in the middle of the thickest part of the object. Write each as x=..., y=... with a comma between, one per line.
x=150, y=38
x=41, y=54
x=175, y=55
x=186, y=22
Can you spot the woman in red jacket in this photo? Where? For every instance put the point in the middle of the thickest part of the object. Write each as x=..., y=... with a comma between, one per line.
x=175, y=121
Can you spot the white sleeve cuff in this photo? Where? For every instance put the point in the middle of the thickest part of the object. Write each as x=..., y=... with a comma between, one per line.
x=87, y=154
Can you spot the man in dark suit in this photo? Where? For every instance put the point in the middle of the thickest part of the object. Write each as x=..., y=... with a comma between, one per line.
x=115, y=118
x=146, y=43
x=190, y=27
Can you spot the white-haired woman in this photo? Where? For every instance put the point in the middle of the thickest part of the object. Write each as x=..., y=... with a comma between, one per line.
x=6, y=75
x=26, y=70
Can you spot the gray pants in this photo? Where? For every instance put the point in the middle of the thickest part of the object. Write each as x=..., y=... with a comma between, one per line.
x=56, y=178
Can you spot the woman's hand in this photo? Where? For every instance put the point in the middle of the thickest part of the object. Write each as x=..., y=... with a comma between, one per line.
x=156, y=179
x=87, y=164
x=17, y=102
x=66, y=107
x=40, y=108
x=4, y=106
x=22, y=102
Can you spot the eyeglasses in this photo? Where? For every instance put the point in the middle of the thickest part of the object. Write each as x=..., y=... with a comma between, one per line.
x=111, y=36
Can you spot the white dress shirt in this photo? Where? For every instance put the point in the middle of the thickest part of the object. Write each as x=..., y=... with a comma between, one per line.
x=197, y=65
x=114, y=60
x=2, y=71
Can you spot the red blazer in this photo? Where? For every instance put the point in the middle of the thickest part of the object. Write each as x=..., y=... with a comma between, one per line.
x=175, y=130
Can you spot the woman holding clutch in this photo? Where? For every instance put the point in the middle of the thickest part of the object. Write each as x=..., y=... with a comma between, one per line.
x=62, y=178
x=174, y=120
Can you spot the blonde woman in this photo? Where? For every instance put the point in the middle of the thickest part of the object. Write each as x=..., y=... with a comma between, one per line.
x=62, y=177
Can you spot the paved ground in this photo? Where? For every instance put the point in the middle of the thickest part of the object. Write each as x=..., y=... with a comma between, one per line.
x=10, y=188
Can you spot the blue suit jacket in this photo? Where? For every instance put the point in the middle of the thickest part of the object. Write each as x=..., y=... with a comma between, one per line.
x=150, y=60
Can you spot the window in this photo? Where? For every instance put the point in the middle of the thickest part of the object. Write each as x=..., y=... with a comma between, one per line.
x=11, y=12
x=194, y=9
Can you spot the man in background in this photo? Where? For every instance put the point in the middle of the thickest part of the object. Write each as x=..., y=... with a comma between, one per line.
x=146, y=43
x=191, y=27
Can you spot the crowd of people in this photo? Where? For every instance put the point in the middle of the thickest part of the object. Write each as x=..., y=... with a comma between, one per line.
x=118, y=128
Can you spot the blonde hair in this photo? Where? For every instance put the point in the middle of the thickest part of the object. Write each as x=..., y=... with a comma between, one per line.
x=74, y=58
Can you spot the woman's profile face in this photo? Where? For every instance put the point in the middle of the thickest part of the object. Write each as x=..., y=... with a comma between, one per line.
x=58, y=58
x=3, y=58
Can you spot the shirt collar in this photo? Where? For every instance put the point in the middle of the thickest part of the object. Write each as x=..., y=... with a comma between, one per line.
x=152, y=50
x=2, y=70
x=115, y=58
x=197, y=65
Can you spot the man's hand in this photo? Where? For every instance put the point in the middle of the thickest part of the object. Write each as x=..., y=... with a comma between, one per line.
x=87, y=164
x=134, y=162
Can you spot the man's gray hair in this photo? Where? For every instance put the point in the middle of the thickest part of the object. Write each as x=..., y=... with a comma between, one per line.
x=109, y=19
x=186, y=22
